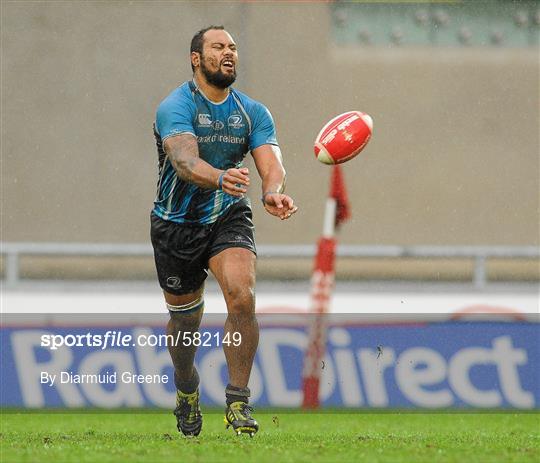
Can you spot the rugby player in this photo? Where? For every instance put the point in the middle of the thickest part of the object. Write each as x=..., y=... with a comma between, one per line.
x=202, y=218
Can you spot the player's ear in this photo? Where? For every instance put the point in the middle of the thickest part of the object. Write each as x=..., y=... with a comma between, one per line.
x=195, y=58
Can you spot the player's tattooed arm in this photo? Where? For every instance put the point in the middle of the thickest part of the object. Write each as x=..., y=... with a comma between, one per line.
x=183, y=153
x=268, y=161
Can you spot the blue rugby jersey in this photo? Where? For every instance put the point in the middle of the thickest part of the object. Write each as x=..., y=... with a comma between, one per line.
x=225, y=132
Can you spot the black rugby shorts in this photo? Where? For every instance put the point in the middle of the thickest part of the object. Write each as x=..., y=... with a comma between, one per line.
x=182, y=251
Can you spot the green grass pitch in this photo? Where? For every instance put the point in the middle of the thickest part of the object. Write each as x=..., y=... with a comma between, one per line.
x=284, y=437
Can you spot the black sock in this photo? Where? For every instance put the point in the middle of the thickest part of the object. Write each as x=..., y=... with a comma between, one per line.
x=190, y=386
x=236, y=394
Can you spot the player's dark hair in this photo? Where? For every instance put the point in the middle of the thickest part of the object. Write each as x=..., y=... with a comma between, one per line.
x=198, y=40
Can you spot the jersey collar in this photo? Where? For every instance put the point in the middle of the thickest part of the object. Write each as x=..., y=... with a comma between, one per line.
x=199, y=90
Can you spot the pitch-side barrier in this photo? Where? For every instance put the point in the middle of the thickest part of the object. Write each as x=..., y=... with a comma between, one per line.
x=13, y=251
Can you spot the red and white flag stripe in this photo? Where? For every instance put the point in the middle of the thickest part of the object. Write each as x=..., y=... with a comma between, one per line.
x=322, y=283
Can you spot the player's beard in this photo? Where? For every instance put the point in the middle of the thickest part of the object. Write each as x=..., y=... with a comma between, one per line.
x=217, y=79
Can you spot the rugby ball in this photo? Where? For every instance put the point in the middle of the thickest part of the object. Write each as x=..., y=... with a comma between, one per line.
x=343, y=137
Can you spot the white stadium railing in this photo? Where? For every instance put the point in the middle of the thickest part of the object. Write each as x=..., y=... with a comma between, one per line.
x=12, y=251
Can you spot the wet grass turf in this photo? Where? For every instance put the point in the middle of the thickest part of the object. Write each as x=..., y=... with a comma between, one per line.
x=284, y=437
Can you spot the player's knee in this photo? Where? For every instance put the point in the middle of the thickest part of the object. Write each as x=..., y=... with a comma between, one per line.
x=240, y=299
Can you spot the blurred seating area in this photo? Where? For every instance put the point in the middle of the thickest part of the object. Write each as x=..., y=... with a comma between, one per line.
x=495, y=23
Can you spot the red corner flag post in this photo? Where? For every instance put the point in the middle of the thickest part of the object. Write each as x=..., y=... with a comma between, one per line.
x=337, y=211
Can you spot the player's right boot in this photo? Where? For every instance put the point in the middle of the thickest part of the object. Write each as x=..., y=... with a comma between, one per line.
x=238, y=415
x=188, y=413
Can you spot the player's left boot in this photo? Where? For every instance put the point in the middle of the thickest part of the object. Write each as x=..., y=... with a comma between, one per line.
x=238, y=415
x=188, y=413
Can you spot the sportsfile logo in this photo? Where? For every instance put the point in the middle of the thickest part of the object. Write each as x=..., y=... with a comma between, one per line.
x=483, y=366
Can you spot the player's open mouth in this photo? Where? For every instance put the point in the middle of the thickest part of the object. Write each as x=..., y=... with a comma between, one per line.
x=227, y=64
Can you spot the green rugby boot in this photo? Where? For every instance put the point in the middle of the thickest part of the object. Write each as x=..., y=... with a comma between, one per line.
x=188, y=413
x=238, y=415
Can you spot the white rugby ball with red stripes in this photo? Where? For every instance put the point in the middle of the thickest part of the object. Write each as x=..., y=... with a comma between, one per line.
x=343, y=137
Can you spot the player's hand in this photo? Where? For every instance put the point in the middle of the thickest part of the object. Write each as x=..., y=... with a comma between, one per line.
x=280, y=205
x=234, y=181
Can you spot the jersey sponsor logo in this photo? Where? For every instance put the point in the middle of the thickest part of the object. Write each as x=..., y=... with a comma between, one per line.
x=235, y=121
x=221, y=139
x=204, y=120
